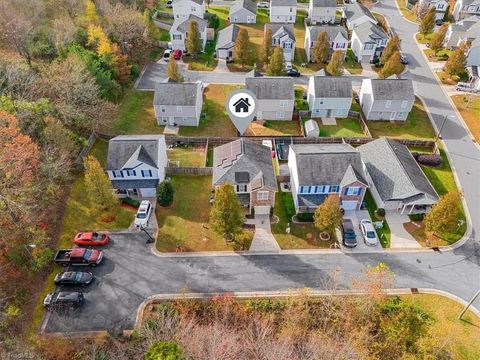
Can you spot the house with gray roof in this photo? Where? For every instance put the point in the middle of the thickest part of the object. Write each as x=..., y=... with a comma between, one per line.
x=283, y=11
x=179, y=31
x=243, y=12
x=473, y=64
x=356, y=14
x=396, y=180
x=322, y=11
x=319, y=170
x=178, y=104
x=248, y=167
x=466, y=8
x=467, y=29
x=226, y=42
x=368, y=42
x=136, y=164
x=329, y=96
x=387, y=99
x=283, y=35
x=337, y=38
x=275, y=96
x=182, y=9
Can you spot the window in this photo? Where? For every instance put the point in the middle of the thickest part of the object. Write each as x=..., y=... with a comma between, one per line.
x=321, y=101
x=163, y=108
x=334, y=188
x=262, y=195
x=404, y=104
x=177, y=36
x=280, y=115
x=368, y=46
x=440, y=6
x=131, y=173
x=354, y=190
x=179, y=109
x=241, y=188
x=193, y=9
x=287, y=45
x=146, y=173
x=283, y=103
x=117, y=173
x=340, y=45
x=291, y=10
x=164, y=119
x=388, y=104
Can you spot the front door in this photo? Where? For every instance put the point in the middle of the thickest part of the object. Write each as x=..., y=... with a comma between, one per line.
x=171, y=120
x=329, y=113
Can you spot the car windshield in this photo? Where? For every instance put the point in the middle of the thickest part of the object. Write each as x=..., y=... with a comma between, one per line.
x=141, y=215
x=349, y=235
x=371, y=234
x=78, y=276
x=87, y=254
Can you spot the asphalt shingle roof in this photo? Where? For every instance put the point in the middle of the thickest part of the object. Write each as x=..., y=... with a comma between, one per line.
x=369, y=32
x=271, y=87
x=332, y=87
x=279, y=29
x=283, y=2
x=392, y=89
x=125, y=147
x=332, y=32
x=199, y=2
x=134, y=184
x=244, y=4
x=171, y=93
x=324, y=3
x=182, y=25
x=356, y=11
x=227, y=37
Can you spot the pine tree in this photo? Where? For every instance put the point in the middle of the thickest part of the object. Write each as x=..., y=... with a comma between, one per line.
x=335, y=66
x=226, y=215
x=267, y=50
x=393, y=45
x=321, y=49
x=436, y=44
x=446, y=16
x=328, y=215
x=172, y=70
x=276, y=67
x=444, y=215
x=91, y=12
x=428, y=22
x=240, y=51
x=97, y=185
x=392, y=66
x=165, y=193
x=193, y=41
x=457, y=63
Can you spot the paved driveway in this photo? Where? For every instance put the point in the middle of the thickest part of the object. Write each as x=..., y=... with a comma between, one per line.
x=356, y=216
x=400, y=238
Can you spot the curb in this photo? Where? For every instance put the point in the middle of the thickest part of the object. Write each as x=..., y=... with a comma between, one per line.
x=401, y=14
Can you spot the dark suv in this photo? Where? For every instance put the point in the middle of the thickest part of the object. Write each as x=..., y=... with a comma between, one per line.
x=348, y=234
x=63, y=300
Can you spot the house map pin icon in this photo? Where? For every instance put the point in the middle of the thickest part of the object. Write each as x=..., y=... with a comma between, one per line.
x=241, y=107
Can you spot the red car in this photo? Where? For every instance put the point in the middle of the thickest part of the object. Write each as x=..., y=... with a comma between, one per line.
x=91, y=238
x=177, y=54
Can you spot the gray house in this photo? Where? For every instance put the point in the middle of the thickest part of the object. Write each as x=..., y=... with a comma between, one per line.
x=283, y=11
x=467, y=29
x=465, y=8
x=283, y=36
x=179, y=31
x=322, y=11
x=387, y=99
x=337, y=38
x=182, y=9
x=368, y=41
x=178, y=104
x=275, y=95
x=396, y=180
x=226, y=42
x=329, y=96
x=243, y=12
x=356, y=14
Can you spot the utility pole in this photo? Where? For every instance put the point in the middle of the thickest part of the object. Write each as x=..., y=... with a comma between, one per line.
x=441, y=128
x=150, y=239
x=469, y=304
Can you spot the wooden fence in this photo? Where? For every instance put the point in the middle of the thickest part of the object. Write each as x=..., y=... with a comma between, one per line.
x=79, y=160
x=189, y=171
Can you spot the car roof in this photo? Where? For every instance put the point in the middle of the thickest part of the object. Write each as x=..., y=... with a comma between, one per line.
x=348, y=224
x=68, y=295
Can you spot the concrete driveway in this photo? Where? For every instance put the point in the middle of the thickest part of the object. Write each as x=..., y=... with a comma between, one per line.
x=356, y=216
x=400, y=238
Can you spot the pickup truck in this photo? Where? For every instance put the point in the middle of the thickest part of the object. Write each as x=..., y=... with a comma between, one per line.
x=79, y=256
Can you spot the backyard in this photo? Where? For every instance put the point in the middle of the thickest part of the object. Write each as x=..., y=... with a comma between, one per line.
x=469, y=108
x=274, y=128
x=352, y=66
x=187, y=156
x=345, y=128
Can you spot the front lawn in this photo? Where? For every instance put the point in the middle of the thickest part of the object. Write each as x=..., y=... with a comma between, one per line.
x=406, y=12
x=384, y=233
x=423, y=39
x=469, y=108
x=187, y=157
x=186, y=222
x=441, y=55
x=352, y=66
x=206, y=60
x=417, y=125
x=345, y=128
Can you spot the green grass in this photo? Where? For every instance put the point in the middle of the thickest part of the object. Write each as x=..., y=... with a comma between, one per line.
x=424, y=38
x=384, y=233
x=188, y=157
x=469, y=108
x=345, y=128
x=351, y=65
x=406, y=12
x=441, y=55
x=222, y=13
x=205, y=61
x=417, y=125
x=210, y=157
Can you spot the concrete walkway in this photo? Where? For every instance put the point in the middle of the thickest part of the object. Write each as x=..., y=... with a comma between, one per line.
x=221, y=67
x=263, y=240
x=329, y=121
x=400, y=238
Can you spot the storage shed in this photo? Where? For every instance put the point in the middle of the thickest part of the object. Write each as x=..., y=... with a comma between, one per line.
x=311, y=129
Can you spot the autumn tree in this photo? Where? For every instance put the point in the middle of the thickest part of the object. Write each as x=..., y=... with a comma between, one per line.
x=328, y=215
x=267, y=49
x=99, y=41
x=122, y=70
x=456, y=63
x=97, y=185
x=335, y=66
x=420, y=9
x=276, y=67
x=91, y=14
x=428, y=21
x=444, y=215
x=321, y=48
x=438, y=38
x=172, y=70
x=393, y=66
x=226, y=215
x=240, y=51
x=393, y=45
x=193, y=42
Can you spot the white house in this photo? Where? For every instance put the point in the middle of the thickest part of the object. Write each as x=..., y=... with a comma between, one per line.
x=283, y=11
x=440, y=7
x=243, y=12
x=473, y=64
x=178, y=104
x=322, y=11
x=337, y=37
x=368, y=41
x=136, y=164
x=283, y=35
x=465, y=8
x=329, y=96
x=356, y=14
x=226, y=42
x=182, y=9
x=179, y=31
x=467, y=29
x=387, y=99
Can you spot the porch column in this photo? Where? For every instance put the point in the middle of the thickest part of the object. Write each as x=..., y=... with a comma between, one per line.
x=403, y=209
x=413, y=206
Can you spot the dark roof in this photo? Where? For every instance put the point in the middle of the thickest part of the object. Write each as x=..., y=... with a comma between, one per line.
x=172, y=93
x=394, y=171
x=310, y=200
x=332, y=32
x=227, y=37
x=392, y=89
x=328, y=164
x=232, y=162
x=271, y=87
x=244, y=4
x=199, y=2
x=280, y=29
x=134, y=184
x=332, y=87
x=123, y=148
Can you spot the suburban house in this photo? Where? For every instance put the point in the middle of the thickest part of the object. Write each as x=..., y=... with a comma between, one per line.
x=275, y=96
x=466, y=8
x=318, y=170
x=440, y=7
x=387, y=99
x=182, y=9
x=395, y=179
x=283, y=11
x=329, y=96
x=243, y=12
x=467, y=29
x=178, y=104
x=356, y=14
x=136, y=164
x=473, y=64
x=248, y=167
x=179, y=31
x=283, y=36
x=322, y=11
x=226, y=42
x=337, y=37
x=368, y=42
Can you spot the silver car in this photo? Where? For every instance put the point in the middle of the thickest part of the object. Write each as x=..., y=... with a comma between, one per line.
x=368, y=232
x=143, y=214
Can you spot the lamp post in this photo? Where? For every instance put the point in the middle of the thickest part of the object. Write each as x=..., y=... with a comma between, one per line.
x=441, y=128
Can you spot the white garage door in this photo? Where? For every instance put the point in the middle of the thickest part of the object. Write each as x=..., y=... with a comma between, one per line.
x=349, y=205
x=262, y=210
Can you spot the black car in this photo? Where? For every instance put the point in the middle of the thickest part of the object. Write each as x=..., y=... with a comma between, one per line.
x=74, y=278
x=348, y=233
x=439, y=22
x=293, y=72
x=63, y=300
x=404, y=59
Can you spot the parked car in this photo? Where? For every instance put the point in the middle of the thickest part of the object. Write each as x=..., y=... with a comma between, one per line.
x=293, y=72
x=79, y=257
x=368, y=232
x=177, y=54
x=464, y=86
x=143, y=214
x=169, y=4
x=74, y=278
x=166, y=54
x=91, y=238
x=404, y=59
x=348, y=234
x=263, y=5
x=439, y=22
x=63, y=300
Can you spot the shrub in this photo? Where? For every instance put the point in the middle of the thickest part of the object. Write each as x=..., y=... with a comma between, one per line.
x=165, y=193
x=214, y=21
x=305, y=217
x=381, y=212
x=434, y=160
x=416, y=217
x=130, y=201
x=164, y=350
x=135, y=71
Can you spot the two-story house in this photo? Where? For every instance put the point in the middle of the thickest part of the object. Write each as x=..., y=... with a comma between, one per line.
x=283, y=36
x=387, y=99
x=275, y=96
x=466, y=8
x=178, y=104
x=473, y=64
x=226, y=42
x=179, y=31
x=329, y=96
x=439, y=5
x=465, y=30
x=356, y=14
x=248, y=167
x=319, y=170
x=322, y=11
x=136, y=164
x=368, y=42
x=283, y=11
x=243, y=12
x=182, y=9
x=337, y=37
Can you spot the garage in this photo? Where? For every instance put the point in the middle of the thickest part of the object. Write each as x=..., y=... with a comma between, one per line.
x=349, y=205
x=262, y=210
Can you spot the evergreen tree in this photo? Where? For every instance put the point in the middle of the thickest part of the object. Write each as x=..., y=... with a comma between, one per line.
x=226, y=215
x=193, y=42
x=335, y=66
x=328, y=215
x=97, y=185
x=444, y=215
x=173, y=71
x=276, y=67
x=321, y=49
x=393, y=45
x=428, y=21
x=91, y=12
x=165, y=193
x=457, y=63
x=240, y=50
x=392, y=66
x=446, y=16
x=438, y=38
x=267, y=50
